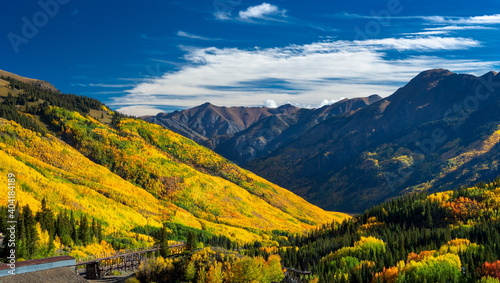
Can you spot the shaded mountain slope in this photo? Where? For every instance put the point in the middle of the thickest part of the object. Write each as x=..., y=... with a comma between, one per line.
x=242, y=134
x=275, y=131
x=438, y=131
x=206, y=122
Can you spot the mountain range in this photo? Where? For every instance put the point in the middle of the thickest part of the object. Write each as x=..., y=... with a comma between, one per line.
x=245, y=133
x=439, y=131
x=89, y=181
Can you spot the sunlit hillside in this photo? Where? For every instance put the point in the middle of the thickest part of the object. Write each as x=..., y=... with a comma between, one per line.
x=134, y=175
x=450, y=236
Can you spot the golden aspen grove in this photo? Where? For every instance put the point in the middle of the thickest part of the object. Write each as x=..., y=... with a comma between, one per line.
x=132, y=176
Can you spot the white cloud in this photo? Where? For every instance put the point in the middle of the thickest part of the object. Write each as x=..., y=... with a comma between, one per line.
x=447, y=30
x=261, y=11
x=312, y=105
x=421, y=43
x=483, y=20
x=382, y=16
x=140, y=110
x=222, y=15
x=430, y=32
x=473, y=20
x=329, y=102
x=264, y=11
x=269, y=103
x=192, y=36
x=309, y=74
x=454, y=27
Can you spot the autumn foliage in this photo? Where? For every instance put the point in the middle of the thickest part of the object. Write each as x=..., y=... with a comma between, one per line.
x=211, y=265
x=463, y=208
x=136, y=175
x=491, y=269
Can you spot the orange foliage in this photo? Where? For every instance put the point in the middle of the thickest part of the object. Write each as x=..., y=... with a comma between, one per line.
x=388, y=275
x=464, y=208
x=491, y=269
x=420, y=256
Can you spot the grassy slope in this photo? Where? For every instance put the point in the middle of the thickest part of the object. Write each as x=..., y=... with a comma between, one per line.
x=40, y=83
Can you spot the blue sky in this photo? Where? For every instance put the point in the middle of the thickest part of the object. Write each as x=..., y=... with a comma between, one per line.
x=144, y=57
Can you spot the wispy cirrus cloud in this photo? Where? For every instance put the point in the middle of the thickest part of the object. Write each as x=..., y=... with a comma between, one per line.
x=454, y=28
x=474, y=20
x=179, y=33
x=223, y=15
x=419, y=43
x=445, y=25
x=442, y=30
x=310, y=74
x=193, y=36
x=346, y=15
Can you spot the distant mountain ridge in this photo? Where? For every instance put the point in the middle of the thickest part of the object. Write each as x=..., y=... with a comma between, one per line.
x=245, y=133
x=208, y=121
x=437, y=132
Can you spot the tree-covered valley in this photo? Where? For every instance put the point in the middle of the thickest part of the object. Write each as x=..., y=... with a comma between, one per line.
x=90, y=181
